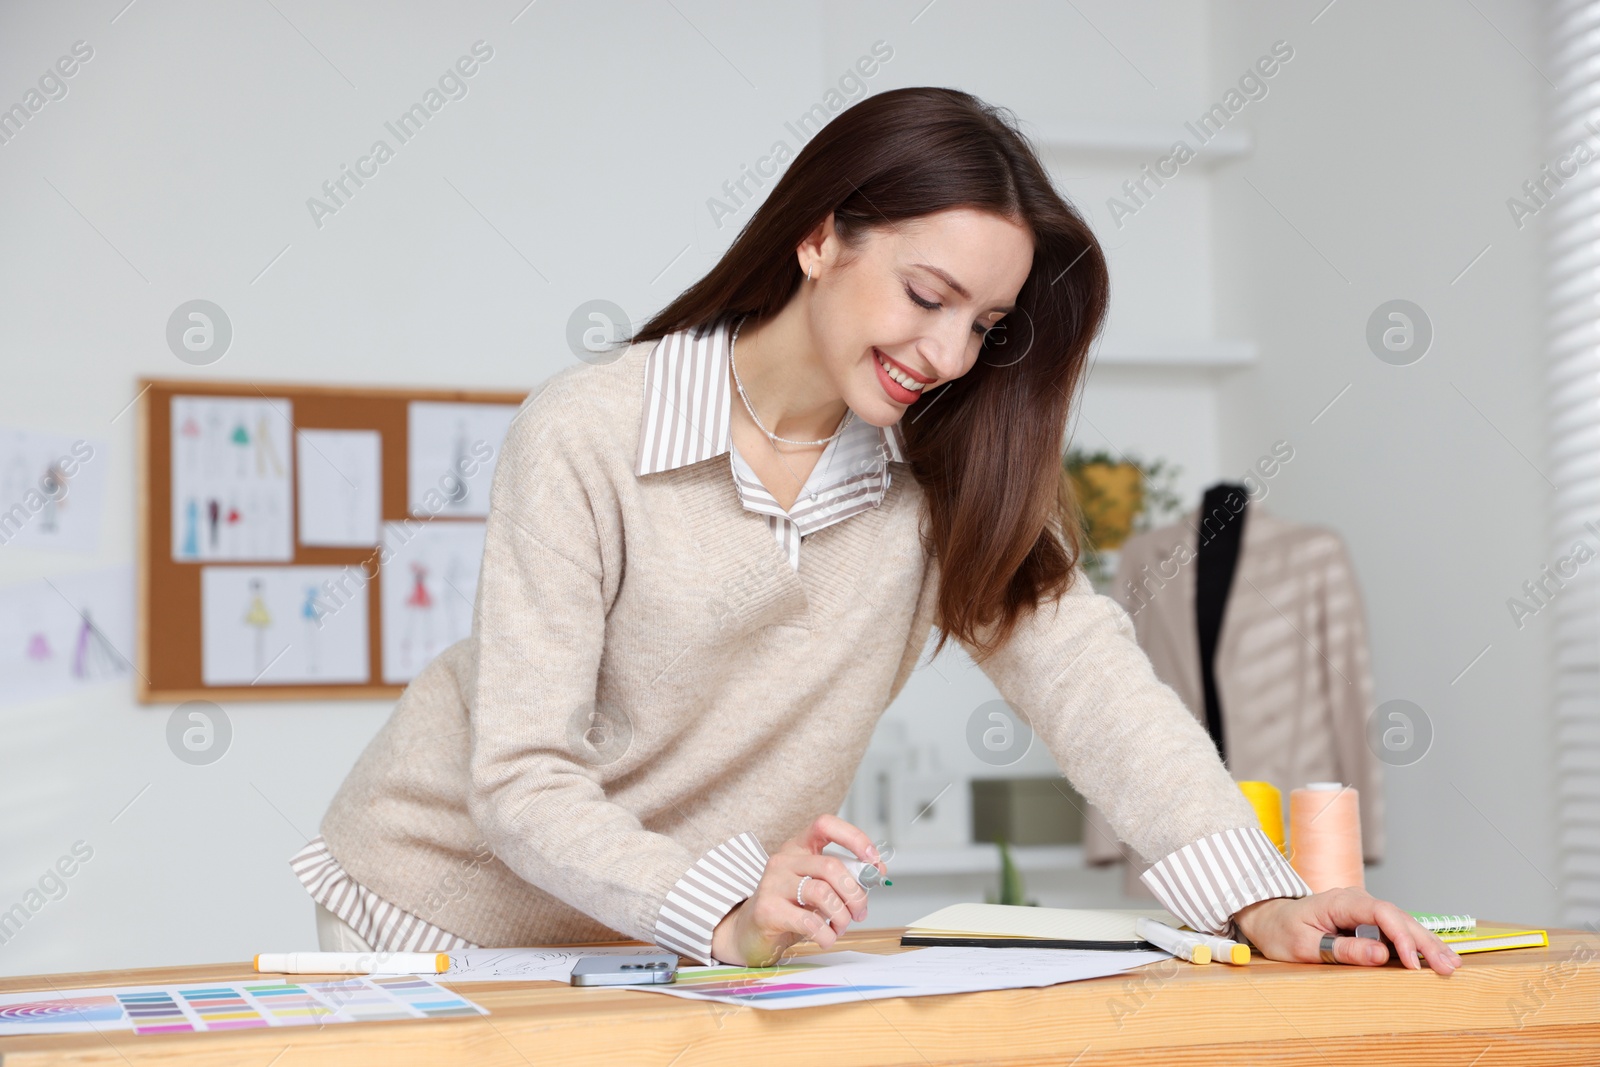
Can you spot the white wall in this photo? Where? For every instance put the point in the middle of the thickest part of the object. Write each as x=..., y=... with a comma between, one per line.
x=578, y=167
x=575, y=168
x=1390, y=143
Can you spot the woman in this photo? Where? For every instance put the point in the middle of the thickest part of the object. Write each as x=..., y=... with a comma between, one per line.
x=711, y=563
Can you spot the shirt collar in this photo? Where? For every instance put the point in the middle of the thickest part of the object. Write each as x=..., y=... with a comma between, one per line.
x=687, y=410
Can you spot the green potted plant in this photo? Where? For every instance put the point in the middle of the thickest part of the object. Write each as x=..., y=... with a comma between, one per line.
x=1010, y=881
x=1118, y=496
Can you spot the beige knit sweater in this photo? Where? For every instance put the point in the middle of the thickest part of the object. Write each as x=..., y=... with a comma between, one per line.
x=740, y=695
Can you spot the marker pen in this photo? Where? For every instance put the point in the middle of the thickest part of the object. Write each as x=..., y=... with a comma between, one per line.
x=1180, y=943
x=866, y=874
x=1225, y=949
x=353, y=962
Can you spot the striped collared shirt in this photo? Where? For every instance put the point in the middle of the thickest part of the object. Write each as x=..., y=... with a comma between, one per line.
x=379, y=923
x=688, y=418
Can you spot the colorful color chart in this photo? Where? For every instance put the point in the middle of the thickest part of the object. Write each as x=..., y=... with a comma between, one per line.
x=761, y=986
x=292, y=1004
x=230, y=1006
x=223, y=1008
x=848, y=977
x=73, y=1012
x=430, y=998
x=155, y=1012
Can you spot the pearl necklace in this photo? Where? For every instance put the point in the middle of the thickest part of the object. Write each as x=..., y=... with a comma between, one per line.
x=772, y=436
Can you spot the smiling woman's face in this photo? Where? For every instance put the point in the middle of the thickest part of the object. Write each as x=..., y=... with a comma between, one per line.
x=899, y=300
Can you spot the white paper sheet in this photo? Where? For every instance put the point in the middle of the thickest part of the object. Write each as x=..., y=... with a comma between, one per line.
x=549, y=964
x=281, y=625
x=991, y=968
x=429, y=582
x=451, y=450
x=52, y=490
x=230, y=479
x=339, y=481
x=844, y=978
x=969, y=919
x=66, y=631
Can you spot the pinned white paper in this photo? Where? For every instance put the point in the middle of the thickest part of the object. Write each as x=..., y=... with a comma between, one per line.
x=66, y=631
x=282, y=625
x=230, y=479
x=52, y=490
x=429, y=583
x=339, y=477
x=451, y=450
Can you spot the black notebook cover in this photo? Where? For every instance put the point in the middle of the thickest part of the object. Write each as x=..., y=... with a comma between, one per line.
x=1024, y=942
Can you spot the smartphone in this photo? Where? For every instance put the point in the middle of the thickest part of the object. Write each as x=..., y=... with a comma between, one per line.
x=637, y=968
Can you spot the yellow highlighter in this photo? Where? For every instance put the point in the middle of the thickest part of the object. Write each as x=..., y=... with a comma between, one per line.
x=1226, y=949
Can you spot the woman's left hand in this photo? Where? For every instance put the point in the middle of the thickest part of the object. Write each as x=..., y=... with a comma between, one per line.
x=1291, y=929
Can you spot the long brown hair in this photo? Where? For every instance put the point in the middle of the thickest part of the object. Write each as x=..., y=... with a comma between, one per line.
x=1001, y=517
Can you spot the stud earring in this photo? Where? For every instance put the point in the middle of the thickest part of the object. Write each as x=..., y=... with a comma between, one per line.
x=808, y=273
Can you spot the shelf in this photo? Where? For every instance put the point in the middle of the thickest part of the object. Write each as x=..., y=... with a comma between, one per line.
x=981, y=858
x=1173, y=352
x=1145, y=140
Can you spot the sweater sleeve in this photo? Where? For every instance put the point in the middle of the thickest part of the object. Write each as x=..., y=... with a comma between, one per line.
x=1074, y=672
x=540, y=732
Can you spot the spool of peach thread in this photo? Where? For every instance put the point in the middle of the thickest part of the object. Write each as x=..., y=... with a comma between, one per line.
x=1268, y=802
x=1325, y=835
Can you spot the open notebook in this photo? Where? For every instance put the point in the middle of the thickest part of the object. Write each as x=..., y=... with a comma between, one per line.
x=1018, y=926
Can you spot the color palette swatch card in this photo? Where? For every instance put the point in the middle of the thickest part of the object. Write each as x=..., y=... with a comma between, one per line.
x=230, y=1006
x=846, y=977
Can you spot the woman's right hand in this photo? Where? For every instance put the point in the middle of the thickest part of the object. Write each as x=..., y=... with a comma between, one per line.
x=762, y=926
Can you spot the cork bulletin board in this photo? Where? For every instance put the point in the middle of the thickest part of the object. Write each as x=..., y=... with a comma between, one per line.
x=282, y=526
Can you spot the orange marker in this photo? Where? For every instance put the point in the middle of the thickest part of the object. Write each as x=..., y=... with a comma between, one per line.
x=352, y=962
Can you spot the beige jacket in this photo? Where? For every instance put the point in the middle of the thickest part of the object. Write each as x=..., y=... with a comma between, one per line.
x=1291, y=663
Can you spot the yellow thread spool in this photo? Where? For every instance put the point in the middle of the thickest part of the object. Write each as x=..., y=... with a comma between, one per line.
x=1268, y=802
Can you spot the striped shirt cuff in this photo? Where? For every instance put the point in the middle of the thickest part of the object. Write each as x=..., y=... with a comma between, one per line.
x=1204, y=883
x=718, y=881
x=376, y=921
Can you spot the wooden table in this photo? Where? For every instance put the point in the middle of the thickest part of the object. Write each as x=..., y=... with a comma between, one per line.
x=1522, y=1006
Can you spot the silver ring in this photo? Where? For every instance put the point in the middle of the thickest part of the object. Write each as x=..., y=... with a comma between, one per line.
x=1326, y=948
x=801, y=888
